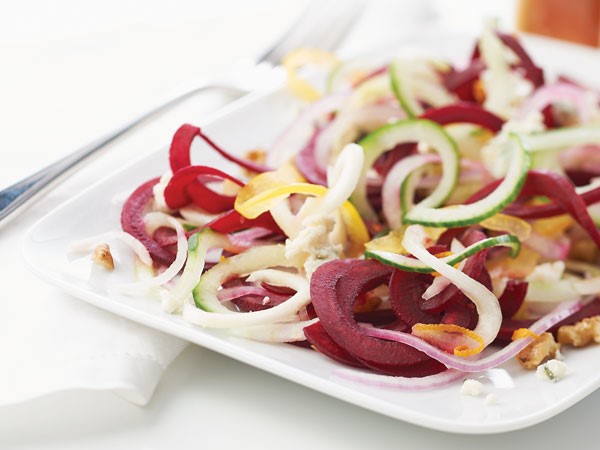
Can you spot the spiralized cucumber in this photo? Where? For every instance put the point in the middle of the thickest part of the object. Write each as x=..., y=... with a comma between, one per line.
x=387, y=137
x=461, y=215
x=403, y=262
x=563, y=137
x=415, y=80
x=210, y=312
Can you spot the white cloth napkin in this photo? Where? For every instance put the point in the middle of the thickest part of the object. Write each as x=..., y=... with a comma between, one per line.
x=51, y=341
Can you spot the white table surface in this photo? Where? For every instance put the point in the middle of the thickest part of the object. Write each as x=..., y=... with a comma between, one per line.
x=68, y=72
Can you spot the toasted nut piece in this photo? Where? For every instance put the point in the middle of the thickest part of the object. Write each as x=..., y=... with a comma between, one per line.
x=580, y=334
x=103, y=257
x=543, y=348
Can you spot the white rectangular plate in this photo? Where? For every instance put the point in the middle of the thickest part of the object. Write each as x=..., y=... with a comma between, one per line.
x=523, y=400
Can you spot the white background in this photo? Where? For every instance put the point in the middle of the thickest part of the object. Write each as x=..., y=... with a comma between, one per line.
x=71, y=70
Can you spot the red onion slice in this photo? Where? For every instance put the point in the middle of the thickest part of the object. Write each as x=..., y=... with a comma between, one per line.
x=231, y=293
x=558, y=92
x=366, y=118
x=287, y=142
x=412, y=384
x=563, y=311
x=390, y=191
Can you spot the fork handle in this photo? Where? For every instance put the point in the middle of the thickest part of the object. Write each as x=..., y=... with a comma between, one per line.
x=15, y=197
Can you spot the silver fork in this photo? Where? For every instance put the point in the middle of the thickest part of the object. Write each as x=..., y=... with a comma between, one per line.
x=323, y=24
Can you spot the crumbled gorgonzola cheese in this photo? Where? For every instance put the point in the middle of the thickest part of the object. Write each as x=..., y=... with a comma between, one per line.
x=313, y=245
x=491, y=399
x=471, y=388
x=554, y=370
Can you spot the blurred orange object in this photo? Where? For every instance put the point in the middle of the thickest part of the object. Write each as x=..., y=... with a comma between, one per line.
x=571, y=20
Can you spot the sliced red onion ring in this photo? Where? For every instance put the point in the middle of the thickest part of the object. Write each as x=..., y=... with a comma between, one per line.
x=582, y=157
x=155, y=220
x=390, y=192
x=470, y=171
x=132, y=221
x=306, y=162
x=412, y=384
x=286, y=144
x=248, y=238
x=366, y=118
x=463, y=112
x=231, y=293
x=563, y=311
x=558, y=92
x=238, y=241
x=549, y=248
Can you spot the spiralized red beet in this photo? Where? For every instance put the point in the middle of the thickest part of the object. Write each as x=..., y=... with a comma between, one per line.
x=233, y=221
x=531, y=71
x=387, y=160
x=381, y=317
x=318, y=337
x=513, y=297
x=464, y=112
x=334, y=287
x=557, y=188
x=450, y=306
x=510, y=325
x=255, y=301
x=165, y=236
x=185, y=186
x=551, y=209
x=406, y=289
x=581, y=177
x=132, y=222
x=179, y=152
x=474, y=267
x=461, y=82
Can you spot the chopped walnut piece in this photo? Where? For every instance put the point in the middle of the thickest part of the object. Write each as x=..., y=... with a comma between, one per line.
x=580, y=334
x=103, y=257
x=543, y=348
